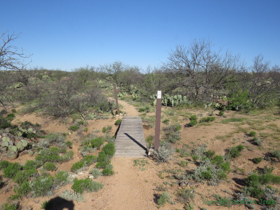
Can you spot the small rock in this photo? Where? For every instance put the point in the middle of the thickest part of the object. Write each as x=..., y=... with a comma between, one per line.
x=81, y=173
x=91, y=177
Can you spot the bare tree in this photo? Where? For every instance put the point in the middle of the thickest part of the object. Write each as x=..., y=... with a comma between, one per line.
x=12, y=66
x=199, y=71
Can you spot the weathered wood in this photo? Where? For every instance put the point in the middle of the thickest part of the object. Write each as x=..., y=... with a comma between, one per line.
x=130, y=141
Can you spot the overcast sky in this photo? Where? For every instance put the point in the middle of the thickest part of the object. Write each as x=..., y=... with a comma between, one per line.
x=68, y=34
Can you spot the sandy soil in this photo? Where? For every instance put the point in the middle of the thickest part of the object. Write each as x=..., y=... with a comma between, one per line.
x=131, y=188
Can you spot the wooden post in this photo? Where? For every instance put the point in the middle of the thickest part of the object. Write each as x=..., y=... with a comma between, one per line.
x=158, y=117
x=116, y=97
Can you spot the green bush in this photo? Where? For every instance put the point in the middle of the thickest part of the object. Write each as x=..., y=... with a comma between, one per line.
x=7, y=206
x=24, y=176
x=4, y=164
x=14, y=111
x=193, y=123
x=86, y=184
x=107, y=172
x=164, y=197
x=77, y=166
x=209, y=154
x=109, y=149
x=253, y=133
x=61, y=178
x=193, y=117
x=69, y=144
x=104, y=130
x=207, y=119
x=118, y=122
x=96, y=143
x=257, y=160
x=96, y=173
x=195, y=158
x=4, y=123
x=275, y=154
x=89, y=159
x=10, y=116
x=41, y=186
x=22, y=189
x=240, y=148
x=49, y=166
x=225, y=166
x=207, y=175
x=142, y=110
x=235, y=151
x=221, y=113
x=166, y=121
x=11, y=170
x=74, y=128
x=217, y=160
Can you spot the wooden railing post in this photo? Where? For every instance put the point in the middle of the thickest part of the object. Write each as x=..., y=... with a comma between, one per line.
x=158, y=117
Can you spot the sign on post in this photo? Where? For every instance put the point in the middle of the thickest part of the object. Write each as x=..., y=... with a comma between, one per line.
x=158, y=117
x=116, y=97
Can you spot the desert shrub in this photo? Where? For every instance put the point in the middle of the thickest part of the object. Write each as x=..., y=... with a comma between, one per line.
x=55, y=138
x=61, y=178
x=217, y=160
x=107, y=172
x=271, y=198
x=67, y=156
x=14, y=111
x=257, y=160
x=22, y=189
x=252, y=133
x=77, y=166
x=195, y=158
x=207, y=119
x=172, y=133
x=183, y=163
x=193, y=123
x=118, y=122
x=74, y=128
x=225, y=166
x=41, y=186
x=4, y=123
x=3, y=111
x=257, y=141
x=69, y=144
x=166, y=121
x=24, y=176
x=209, y=154
x=104, y=130
x=184, y=152
x=89, y=159
x=221, y=113
x=193, y=117
x=103, y=160
x=200, y=150
x=11, y=170
x=267, y=170
x=49, y=166
x=141, y=109
x=163, y=153
x=276, y=154
x=31, y=164
x=10, y=116
x=96, y=173
x=164, y=197
x=70, y=195
x=96, y=143
x=109, y=149
x=206, y=171
x=86, y=184
x=235, y=151
x=4, y=164
x=186, y=195
x=8, y=206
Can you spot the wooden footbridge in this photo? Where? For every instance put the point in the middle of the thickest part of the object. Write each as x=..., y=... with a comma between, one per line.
x=130, y=140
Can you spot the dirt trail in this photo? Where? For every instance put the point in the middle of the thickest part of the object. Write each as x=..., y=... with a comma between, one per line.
x=129, y=188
